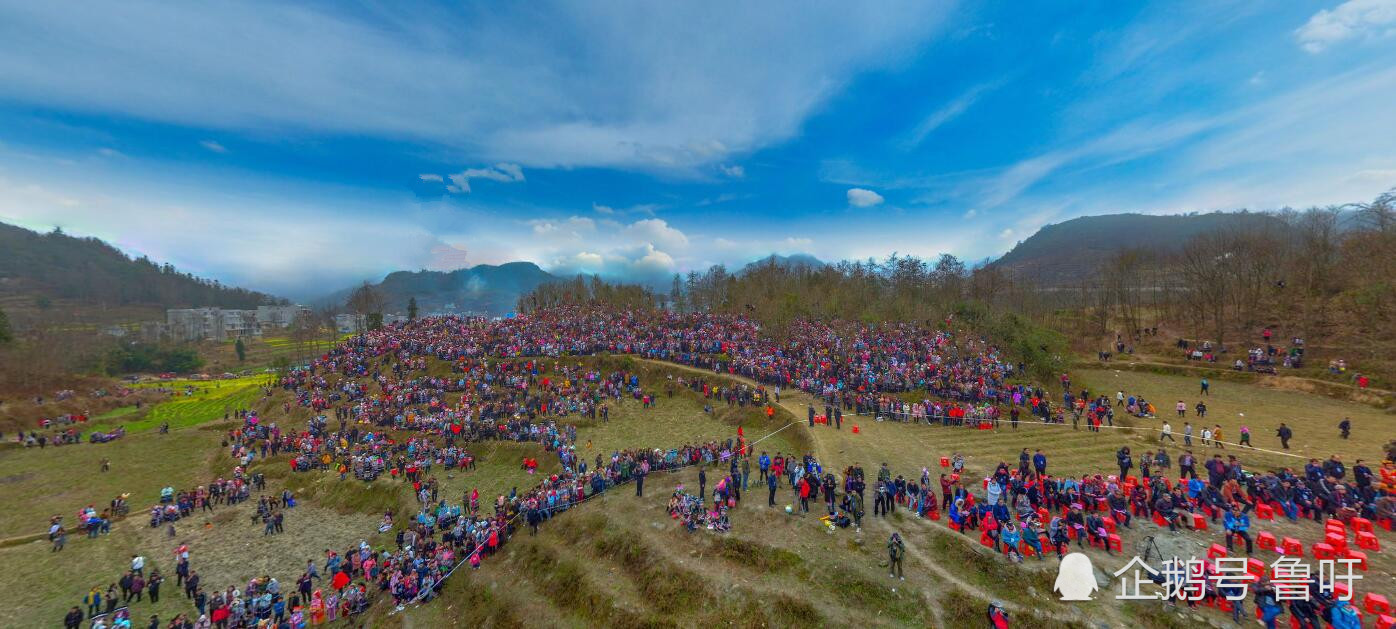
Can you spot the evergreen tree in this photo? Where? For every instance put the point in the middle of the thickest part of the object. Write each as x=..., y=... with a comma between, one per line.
x=6, y=334
x=241, y=349
x=411, y=308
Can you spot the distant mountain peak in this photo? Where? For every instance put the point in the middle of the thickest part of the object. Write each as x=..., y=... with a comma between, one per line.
x=796, y=260
x=481, y=289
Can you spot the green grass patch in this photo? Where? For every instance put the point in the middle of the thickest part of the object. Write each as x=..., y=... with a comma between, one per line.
x=210, y=405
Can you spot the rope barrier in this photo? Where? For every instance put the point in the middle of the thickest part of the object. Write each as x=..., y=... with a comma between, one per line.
x=1043, y=424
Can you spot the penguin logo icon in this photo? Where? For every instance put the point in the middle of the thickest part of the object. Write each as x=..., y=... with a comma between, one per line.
x=1076, y=578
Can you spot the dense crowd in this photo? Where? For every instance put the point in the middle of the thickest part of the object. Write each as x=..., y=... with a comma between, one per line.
x=382, y=404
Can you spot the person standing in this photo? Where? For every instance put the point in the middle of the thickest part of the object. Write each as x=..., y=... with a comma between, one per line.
x=152, y=587
x=1187, y=434
x=702, y=482
x=73, y=619
x=1166, y=433
x=1206, y=388
x=771, y=485
x=1285, y=434
x=1346, y=427
x=811, y=416
x=895, y=551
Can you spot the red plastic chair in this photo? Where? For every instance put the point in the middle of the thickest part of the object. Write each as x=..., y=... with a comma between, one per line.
x=1199, y=522
x=1291, y=546
x=1325, y=551
x=1264, y=511
x=1216, y=550
x=1266, y=541
x=1361, y=558
x=1375, y=604
x=1367, y=540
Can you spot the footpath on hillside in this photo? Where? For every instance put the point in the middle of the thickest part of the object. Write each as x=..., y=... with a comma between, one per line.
x=796, y=402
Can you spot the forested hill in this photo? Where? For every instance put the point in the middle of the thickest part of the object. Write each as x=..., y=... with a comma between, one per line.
x=484, y=289
x=88, y=271
x=1071, y=251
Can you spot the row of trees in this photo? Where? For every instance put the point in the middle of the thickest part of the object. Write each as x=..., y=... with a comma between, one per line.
x=1321, y=273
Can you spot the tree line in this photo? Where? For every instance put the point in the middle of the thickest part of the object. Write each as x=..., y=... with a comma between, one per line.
x=56, y=265
x=1321, y=273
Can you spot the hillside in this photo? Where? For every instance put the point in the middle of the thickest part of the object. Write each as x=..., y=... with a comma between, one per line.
x=1067, y=252
x=56, y=269
x=485, y=288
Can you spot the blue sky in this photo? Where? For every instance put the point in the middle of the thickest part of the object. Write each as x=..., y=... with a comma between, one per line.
x=298, y=149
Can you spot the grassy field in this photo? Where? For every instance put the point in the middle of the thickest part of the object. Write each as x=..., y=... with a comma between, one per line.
x=1314, y=419
x=620, y=560
x=263, y=352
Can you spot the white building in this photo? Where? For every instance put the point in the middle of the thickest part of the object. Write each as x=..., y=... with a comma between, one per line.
x=279, y=316
x=218, y=324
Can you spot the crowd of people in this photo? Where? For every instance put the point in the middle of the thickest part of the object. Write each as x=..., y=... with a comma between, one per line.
x=379, y=407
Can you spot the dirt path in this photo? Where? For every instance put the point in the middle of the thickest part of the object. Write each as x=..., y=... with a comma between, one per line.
x=797, y=402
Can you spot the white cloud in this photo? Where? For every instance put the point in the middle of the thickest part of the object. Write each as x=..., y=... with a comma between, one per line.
x=735, y=171
x=602, y=209
x=503, y=173
x=626, y=84
x=792, y=243
x=430, y=177
x=110, y=152
x=657, y=231
x=1351, y=19
x=213, y=146
x=862, y=197
x=1006, y=233
x=970, y=213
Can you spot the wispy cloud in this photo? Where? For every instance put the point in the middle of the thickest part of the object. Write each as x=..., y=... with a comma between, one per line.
x=502, y=172
x=213, y=146
x=948, y=112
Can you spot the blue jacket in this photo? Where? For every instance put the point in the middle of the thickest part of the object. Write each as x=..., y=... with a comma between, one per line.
x=1235, y=522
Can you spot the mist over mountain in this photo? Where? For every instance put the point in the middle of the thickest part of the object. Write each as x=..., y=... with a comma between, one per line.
x=483, y=289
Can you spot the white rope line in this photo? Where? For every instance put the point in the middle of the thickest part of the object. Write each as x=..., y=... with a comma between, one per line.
x=1037, y=422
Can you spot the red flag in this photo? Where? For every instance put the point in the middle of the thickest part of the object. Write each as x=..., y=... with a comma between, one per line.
x=739, y=431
